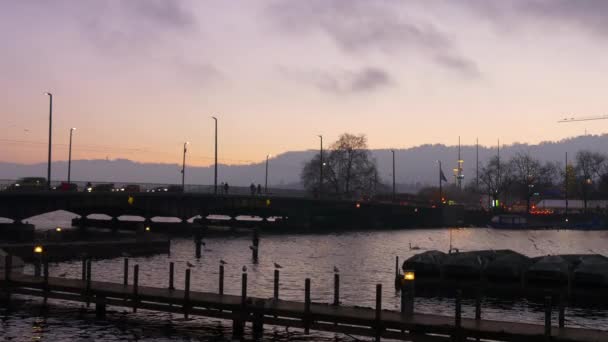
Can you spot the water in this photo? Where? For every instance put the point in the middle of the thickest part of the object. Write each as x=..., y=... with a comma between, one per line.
x=364, y=259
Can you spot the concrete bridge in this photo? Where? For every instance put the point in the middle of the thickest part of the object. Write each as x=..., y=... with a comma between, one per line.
x=302, y=213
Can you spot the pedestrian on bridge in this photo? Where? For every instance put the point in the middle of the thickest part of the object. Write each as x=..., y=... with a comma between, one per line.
x=252, y=188
x=226, y=187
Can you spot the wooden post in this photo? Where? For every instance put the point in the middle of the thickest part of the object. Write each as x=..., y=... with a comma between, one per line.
x=187, y=294
x=562, y=312
x=100, y=307
x=238, y=321
x=171, y=276
x=125, y=279
x=548, y=317
x=84, y=269
x=221, y=280
x=396, y=266
x=276, y=285
x=378, y=311
x=258, y=320
x=336, y=289
x=46, y=280
x=458, y=305
x=307, y=306
x=8, y=265
x=89, y=266
x=198, y=246
x=135, y=286
x=37, y=267
x=478, y=306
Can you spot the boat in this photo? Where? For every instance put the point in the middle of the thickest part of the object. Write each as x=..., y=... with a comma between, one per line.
x=508, y=221
x=550, y=269
x=591, y=271
x=509, y=266
x=425, y=264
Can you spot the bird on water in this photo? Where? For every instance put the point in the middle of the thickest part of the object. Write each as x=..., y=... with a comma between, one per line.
x=277, y=265
x=189, y=264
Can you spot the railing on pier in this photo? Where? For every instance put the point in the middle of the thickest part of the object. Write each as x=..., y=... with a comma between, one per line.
x=375, y=322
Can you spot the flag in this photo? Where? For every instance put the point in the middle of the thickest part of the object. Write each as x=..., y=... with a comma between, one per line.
x=442, y=176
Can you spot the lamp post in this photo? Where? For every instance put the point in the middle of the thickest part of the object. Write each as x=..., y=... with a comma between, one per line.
x=184, y=167
x=70, y=155
x=266, y=182
x=215, y=164
x=321, y=168
x=48, y=172
x=393, y=152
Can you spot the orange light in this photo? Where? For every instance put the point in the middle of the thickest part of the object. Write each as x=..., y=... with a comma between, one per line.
x=409, y=275
x=38, y=249
x=147, y=229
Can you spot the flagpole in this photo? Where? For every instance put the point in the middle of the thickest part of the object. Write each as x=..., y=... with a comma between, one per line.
x=440, y=190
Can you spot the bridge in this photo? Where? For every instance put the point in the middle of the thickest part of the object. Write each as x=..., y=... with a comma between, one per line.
x=292, y=212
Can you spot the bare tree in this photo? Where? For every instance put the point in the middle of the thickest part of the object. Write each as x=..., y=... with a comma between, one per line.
x=530, y=176
x=348, y=169
x=495, y=177
x=589, y=166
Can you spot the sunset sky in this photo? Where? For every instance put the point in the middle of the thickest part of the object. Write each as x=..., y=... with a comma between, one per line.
x=137, y=78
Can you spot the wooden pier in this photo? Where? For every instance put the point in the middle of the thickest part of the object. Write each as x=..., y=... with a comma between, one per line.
x=374, y=322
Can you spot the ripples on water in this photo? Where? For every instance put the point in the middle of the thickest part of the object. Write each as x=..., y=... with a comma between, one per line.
x=364, y=259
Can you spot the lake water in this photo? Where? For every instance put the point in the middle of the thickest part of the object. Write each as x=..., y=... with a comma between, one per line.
x=364, y=259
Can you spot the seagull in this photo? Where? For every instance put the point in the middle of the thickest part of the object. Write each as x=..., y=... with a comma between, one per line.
x=253, y=248
x=413, y=248
x=244, y=268
x=63, y=275
x=336, y=269
x=222, y=262
x=277, y=265
x=189, y=264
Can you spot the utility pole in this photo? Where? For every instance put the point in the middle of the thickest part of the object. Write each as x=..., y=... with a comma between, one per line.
x=321, y=169
x=477, y=164
x=266, y=182
x=393, y=151
x=566, y=184
x=215, y=164
x=70, y=156
x=48, y=171
x=184, y=168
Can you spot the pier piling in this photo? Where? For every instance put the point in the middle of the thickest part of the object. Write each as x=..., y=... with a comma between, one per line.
x=187, y=294
x=88, y=278
x=221, y=280
x=307, y=306
x=135, y=287
x=238, y=321
x=276, y=285
x=125, y=280
x=100, y=307
x=378, y=311
x=562, y=312
x=336, y=289
x=198, y=242
x=548, y=317
x=171, y=275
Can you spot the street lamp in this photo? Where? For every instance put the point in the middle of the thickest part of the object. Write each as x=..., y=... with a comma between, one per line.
x=321, y=168
x=70, y=155
x=266, y=182
x=215, y=165
x=48, y=172
x=184, y=167
x=393, y=151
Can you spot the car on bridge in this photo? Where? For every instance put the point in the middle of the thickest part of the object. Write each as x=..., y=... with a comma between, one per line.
x=108, y=187
x=130, y=188
x=28, y=184
x=65, y=186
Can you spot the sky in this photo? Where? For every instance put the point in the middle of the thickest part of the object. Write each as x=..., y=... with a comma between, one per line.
x=138, y=78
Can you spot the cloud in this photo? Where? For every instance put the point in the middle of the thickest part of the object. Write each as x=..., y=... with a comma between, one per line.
x=358, y=27
x=587, y=15
x=343, y=82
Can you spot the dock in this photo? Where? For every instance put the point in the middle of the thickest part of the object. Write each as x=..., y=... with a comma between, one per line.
x=243, y=309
